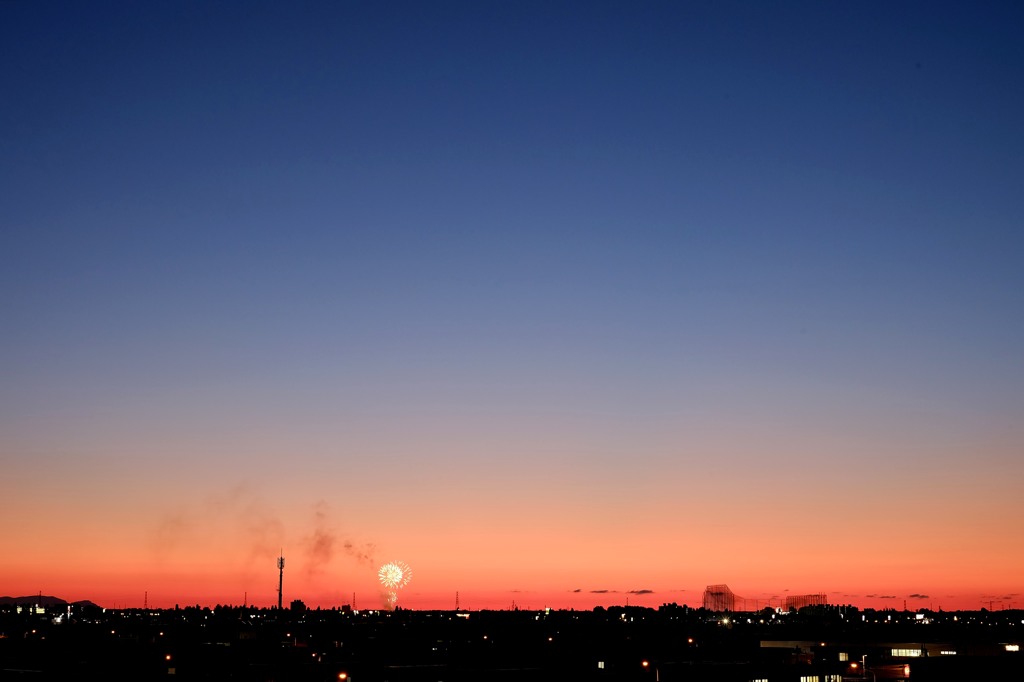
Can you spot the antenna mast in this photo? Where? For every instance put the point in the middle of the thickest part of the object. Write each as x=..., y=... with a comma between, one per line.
x=280, y=579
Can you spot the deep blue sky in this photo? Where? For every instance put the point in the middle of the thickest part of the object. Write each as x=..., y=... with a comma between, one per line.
x=793, y=226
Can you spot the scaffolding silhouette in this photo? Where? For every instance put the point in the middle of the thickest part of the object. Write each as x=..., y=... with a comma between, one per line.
x=798, y=601
x=721, y=598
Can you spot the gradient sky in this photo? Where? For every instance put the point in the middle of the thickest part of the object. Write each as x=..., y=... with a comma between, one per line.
x=563, y=304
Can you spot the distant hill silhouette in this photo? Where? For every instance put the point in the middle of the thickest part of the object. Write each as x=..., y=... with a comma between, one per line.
x=43, y=600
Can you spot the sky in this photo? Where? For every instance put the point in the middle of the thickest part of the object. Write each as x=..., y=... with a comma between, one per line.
x=563, y=304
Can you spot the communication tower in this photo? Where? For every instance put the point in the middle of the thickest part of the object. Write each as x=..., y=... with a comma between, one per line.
x=280, y=579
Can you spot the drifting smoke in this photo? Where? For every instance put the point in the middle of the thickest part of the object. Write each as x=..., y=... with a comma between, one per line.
x=363, y=553
x=323, y=542
x=320, y=544
x=219, y=521
x=264, y=532
x=242, y=519
x=170, y=532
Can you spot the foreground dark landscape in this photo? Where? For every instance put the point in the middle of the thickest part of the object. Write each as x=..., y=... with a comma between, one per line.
x=51, y=640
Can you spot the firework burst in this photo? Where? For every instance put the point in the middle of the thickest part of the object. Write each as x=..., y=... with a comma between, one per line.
x=394, y=575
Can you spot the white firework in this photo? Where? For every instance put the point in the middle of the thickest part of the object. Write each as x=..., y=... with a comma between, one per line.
x=394, y=575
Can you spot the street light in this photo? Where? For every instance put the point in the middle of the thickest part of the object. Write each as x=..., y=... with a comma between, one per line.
x=864, y=668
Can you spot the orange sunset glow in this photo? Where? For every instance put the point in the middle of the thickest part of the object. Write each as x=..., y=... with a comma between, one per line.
x=562, y=305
